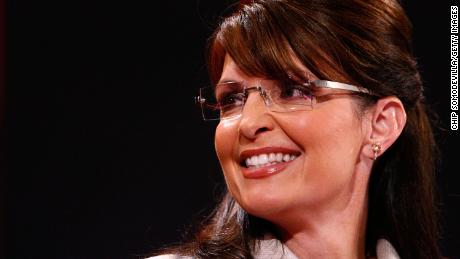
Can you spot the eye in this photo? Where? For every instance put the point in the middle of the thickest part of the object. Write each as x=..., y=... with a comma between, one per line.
x=228, y=96
x=295, y=91
x=230, y=102
x=230, y=99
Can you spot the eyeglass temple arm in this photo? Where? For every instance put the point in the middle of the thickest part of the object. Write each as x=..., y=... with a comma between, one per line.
x=337, y=85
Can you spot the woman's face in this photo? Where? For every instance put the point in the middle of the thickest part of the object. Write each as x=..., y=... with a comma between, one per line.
x=319, y=150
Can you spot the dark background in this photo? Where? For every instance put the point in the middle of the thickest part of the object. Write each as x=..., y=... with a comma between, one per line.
x=107, y=156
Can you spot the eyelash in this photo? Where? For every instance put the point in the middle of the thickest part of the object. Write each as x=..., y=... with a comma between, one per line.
x=295, y=86
x=227, y=97
x=223, y=99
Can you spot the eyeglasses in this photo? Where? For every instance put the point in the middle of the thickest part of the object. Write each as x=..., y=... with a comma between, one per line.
x=227, y=100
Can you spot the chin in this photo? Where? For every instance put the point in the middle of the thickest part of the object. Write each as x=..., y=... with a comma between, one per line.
x=263, y=203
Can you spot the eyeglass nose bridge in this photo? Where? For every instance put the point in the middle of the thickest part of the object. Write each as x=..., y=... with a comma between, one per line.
x=262, y=93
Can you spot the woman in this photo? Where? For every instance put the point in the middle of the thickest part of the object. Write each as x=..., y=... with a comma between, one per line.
x=324, y=141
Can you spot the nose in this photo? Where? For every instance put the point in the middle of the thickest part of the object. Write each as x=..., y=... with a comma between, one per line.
x=255, y=118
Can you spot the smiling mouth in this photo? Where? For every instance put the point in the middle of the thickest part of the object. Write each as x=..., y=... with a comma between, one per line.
x=268, y=159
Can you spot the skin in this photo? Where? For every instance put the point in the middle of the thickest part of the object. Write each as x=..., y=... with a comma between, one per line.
x=318, y=202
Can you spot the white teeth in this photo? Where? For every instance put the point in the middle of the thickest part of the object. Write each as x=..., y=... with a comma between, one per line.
x=286, y=158
x=254, y=160
x=248, y=161
x=279, y=157
x=268, y=159
x=263, y=159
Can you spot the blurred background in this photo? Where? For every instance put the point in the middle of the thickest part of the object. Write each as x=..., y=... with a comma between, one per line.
x=107, y=155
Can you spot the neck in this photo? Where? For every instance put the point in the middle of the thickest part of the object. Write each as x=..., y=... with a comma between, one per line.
x=332, y=231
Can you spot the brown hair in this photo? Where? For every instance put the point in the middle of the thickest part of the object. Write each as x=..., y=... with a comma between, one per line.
x=361, y=42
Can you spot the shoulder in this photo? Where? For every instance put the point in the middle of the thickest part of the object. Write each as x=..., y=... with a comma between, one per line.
x=385, y=250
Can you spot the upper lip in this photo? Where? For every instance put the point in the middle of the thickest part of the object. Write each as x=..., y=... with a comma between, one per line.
x=266, y=150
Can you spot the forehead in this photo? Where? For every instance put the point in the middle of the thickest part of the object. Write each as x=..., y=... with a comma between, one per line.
x=232, y=72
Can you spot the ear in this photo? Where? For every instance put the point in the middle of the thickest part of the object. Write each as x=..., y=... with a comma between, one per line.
x=388, y=119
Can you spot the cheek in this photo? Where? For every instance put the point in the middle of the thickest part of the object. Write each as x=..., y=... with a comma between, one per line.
x=331, y=144
x=225, y=139
x=324, y=132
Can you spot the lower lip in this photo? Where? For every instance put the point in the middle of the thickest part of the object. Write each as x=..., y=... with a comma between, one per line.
x=265, y=171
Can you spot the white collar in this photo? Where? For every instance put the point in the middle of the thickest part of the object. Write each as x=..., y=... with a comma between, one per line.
x=273, y=248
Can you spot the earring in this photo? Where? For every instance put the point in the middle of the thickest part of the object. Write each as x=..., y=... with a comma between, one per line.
x=376, y=148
